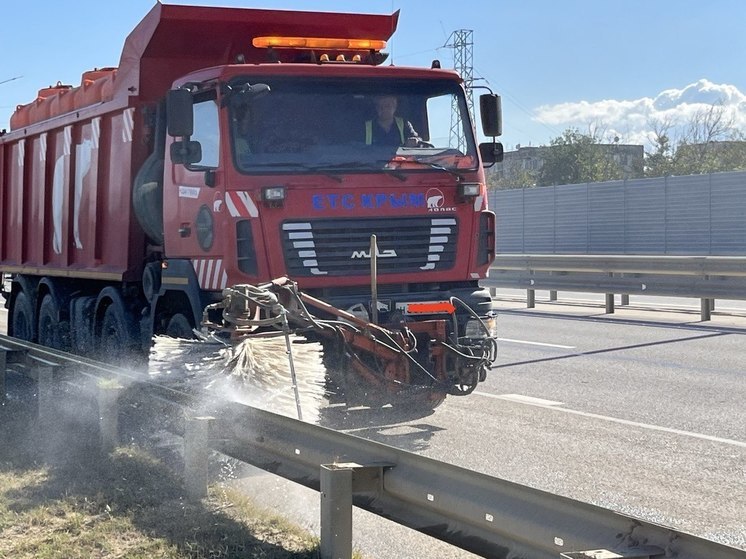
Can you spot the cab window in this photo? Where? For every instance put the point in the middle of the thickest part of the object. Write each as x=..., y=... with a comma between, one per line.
x=207, y=129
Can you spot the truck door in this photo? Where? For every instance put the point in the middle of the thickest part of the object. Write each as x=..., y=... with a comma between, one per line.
x=193, y=195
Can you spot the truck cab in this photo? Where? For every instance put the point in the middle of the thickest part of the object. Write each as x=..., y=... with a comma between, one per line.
x=274, y=171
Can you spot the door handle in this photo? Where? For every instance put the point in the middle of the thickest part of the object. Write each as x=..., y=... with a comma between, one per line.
x=185, y=230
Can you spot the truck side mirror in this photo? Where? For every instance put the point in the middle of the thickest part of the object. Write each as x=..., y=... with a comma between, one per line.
x=186, y=152
x=179, y=113
x=490, y=109
x=491, y=152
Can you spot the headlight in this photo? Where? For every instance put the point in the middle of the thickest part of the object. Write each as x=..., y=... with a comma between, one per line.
x=273, y=193
x=469, y=189
x=486, y=328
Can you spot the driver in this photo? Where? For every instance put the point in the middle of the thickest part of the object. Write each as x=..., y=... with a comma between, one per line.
x=387, y=129
x=243, y=131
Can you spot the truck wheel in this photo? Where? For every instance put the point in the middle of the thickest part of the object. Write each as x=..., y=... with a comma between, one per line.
x=115, y=342
x=22, y=321
x=179, y=327
x=50, y=328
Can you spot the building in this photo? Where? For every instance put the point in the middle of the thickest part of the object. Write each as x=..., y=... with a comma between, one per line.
x=520, y=166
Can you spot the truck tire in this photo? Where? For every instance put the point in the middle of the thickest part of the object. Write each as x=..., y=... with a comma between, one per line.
x=179, y=327
x=115, y=341
x=51, y=331
x=22, y=321
x=416, y=407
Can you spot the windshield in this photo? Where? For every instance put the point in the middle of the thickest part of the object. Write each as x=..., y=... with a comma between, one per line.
x=349, y=125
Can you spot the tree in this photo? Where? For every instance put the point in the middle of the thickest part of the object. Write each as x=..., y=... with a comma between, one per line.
x=576, y=158
x=707, y=143
x=659, y=162
x=512, y=175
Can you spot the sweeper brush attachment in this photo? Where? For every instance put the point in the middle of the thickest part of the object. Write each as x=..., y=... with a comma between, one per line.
x=254, y=371
x=409, y=363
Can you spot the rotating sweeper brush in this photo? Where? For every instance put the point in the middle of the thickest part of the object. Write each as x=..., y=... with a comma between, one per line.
x=355, y=361
x=255, y=371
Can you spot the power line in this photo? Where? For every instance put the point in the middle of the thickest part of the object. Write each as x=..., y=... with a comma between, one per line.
x=400, y=56
x=11, y=79
x=461, y=41
x=524, y=109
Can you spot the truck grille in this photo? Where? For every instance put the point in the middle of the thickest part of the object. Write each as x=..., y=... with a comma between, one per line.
x=338, y=247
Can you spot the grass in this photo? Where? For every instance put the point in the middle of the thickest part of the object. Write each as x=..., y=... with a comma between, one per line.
x=75, y=502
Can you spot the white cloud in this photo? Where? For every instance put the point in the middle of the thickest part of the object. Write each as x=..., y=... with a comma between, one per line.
x=632, y=120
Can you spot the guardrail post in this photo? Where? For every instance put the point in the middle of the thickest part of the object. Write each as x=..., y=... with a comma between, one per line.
x=45, y=400
x=46, y=415
x=553, y=295
x=609, y=303
x=336, y=512
x=338, y=483
x=625, y=300
x=12, y=356
x=196, y=454
x=705, y=309
x=530, y=298
x=108, y=414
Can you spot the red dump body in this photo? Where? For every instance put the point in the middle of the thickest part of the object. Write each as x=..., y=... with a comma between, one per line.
x=67, y=166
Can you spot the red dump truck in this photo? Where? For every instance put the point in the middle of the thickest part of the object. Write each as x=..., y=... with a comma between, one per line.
x=235, y=146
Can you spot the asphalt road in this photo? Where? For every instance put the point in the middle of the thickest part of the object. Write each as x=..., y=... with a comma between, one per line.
x=646, y=419
x=641, y=412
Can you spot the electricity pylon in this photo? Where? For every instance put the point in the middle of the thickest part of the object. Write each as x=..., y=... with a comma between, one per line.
x=462, y=42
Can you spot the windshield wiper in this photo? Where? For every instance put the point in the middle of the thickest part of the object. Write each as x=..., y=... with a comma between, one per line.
x=295, y=165
x=459, y=176
x=332, y=170
x=342, y=167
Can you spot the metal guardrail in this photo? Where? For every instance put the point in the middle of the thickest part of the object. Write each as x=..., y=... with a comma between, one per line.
x=702, y=277
x=477, y=512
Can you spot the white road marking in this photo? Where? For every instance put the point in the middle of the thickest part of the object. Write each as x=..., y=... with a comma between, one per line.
x=535, y=343
x=521, y=398
x=538, y=402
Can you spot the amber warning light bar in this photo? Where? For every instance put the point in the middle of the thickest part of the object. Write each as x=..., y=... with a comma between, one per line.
x=317, y=43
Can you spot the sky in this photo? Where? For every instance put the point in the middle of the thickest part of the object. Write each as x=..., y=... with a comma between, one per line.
x=615, y=67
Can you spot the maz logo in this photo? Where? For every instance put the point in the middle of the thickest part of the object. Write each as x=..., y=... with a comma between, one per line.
x=388, y=253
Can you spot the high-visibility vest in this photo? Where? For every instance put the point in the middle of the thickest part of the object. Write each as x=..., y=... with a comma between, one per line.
x=369, y=129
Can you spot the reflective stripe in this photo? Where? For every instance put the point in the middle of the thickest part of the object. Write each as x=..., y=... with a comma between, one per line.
x=369, y=130
x=400, y=126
